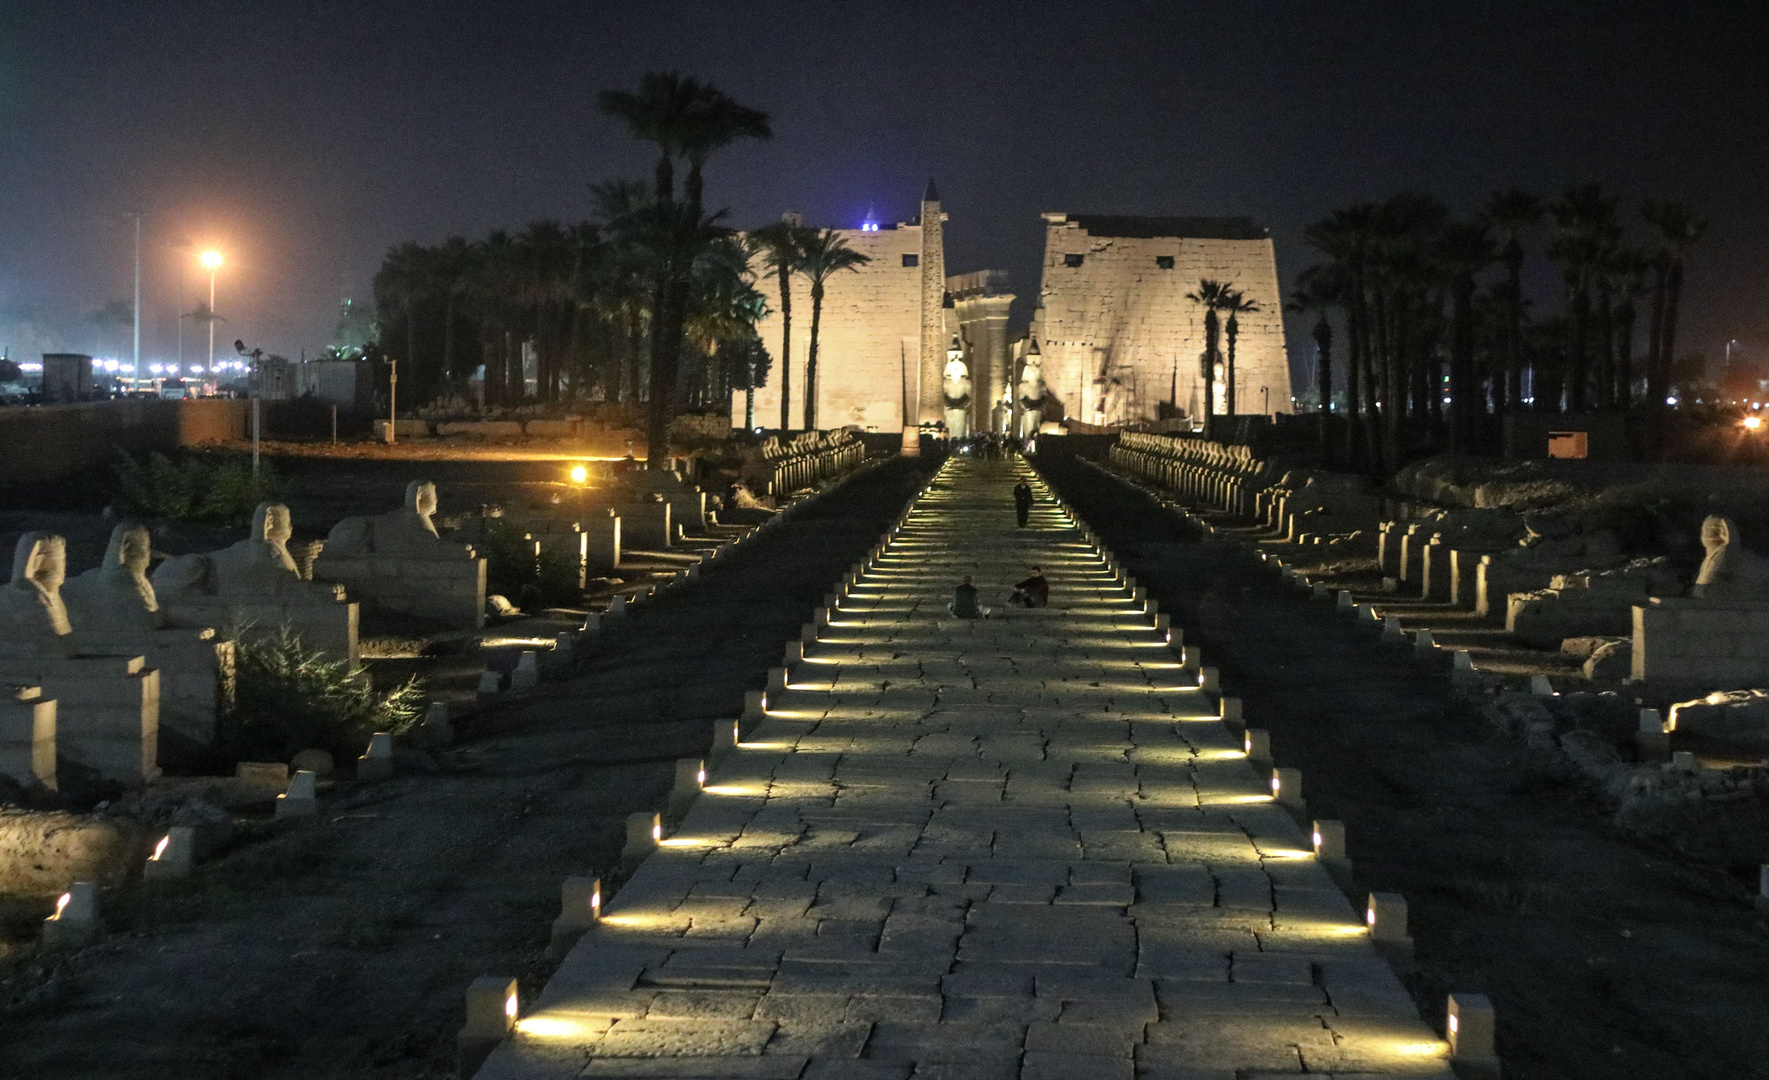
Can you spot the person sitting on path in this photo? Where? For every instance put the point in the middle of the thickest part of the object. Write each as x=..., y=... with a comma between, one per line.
x=1022, y=502
x=964, y=602
x=1034, y=591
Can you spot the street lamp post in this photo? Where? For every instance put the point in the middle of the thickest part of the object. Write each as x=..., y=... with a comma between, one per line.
x=135, y=369
x=211, y=260
x=392, y=400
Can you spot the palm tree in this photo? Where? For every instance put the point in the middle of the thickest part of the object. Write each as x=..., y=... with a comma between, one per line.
x=683, y=117
x=1210, y=294
x=1510, y=213
x=1346, y=238
x=782, y=246
x=825, y=254
x=1677, y=228
x=1464, y=249
x=1584, y=233
x=1317, y=289
x=1235, y=303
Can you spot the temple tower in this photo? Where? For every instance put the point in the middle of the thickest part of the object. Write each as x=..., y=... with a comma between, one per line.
x=933, y=300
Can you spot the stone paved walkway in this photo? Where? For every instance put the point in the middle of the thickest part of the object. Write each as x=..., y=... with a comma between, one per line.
x=1022, y=847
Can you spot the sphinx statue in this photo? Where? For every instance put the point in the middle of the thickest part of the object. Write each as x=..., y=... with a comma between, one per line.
x=33, y=619
x=258, y=565
x=955, y=386
x=1729, y=572
x=409, y=532
x=117, y=595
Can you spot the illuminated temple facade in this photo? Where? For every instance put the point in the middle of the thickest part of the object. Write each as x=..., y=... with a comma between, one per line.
x=1114, y=331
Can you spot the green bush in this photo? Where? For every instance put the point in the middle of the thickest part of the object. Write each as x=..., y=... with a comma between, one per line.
x=289, y=698
x=203, y=487
x=515, y=571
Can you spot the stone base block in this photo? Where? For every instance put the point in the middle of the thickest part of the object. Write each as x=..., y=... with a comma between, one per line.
x=451, y=591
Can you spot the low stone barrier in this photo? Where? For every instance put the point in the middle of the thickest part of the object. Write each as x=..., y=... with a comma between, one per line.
x=1685, y=641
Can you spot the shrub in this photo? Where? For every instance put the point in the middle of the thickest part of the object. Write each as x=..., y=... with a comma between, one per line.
x=514, y=570
x=206, y=487
x=290, y=698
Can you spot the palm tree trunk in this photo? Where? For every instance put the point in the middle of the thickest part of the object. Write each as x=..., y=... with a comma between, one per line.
x=1605, y=320
x=811, y=358
x=1658, y=383
x=1465, y=409
x=1624, y=355
x=1323, y=341
x=1233, y=329
x=1673, y=300
x=1511, y=394
x=785, y=349
x=1578, y=371
x=749, y=399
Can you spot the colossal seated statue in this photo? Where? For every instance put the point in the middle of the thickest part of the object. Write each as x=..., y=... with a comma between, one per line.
x=955, y=386
x=1729, y=572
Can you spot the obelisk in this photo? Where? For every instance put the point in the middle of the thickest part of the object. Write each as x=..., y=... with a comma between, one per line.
x=933, y=304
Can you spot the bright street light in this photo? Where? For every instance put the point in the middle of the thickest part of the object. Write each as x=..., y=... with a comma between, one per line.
x=211, y=261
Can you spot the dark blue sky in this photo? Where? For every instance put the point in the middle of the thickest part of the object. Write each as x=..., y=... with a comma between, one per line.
x=305, y=138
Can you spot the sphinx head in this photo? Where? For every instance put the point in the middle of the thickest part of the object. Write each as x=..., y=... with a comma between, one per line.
x=1716, y=532
x=42, y=559
x=271, y=524
x=131, y=548
x=420, y=497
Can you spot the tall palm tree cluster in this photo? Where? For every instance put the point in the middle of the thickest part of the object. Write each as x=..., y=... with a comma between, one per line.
x=1217, y=297
x=1440, y=339
x=790, y=249
x=649, y=303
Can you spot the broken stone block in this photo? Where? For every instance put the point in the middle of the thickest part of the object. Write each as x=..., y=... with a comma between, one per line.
x=1739, y=717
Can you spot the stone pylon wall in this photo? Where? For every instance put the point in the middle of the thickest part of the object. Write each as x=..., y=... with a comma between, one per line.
x=1121, y=317
x=868, y=343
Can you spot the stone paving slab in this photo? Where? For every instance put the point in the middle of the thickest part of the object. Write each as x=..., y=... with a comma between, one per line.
x=1019, y=847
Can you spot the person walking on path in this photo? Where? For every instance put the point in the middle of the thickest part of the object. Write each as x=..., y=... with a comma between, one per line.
x=1032, y=592
x=964, y=602
x=1022, y=502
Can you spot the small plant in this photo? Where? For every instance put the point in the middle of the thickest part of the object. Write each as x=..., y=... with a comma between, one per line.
x=290, y=698
x=206, y=487
x=515, y=570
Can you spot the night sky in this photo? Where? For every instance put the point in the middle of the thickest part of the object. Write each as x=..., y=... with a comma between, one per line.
x=303, y=139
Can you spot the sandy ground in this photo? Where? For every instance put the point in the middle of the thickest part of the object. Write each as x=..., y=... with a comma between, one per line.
x=341, y=948
x=1606, y=959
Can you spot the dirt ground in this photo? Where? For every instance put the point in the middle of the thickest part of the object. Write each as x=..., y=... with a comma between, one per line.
x=1605, y=959
x=340, y=948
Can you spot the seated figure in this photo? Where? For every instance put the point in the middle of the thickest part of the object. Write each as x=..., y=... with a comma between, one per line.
x=1729, y=572
x=116, y=595
x=408, y=532
x=33, y=619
